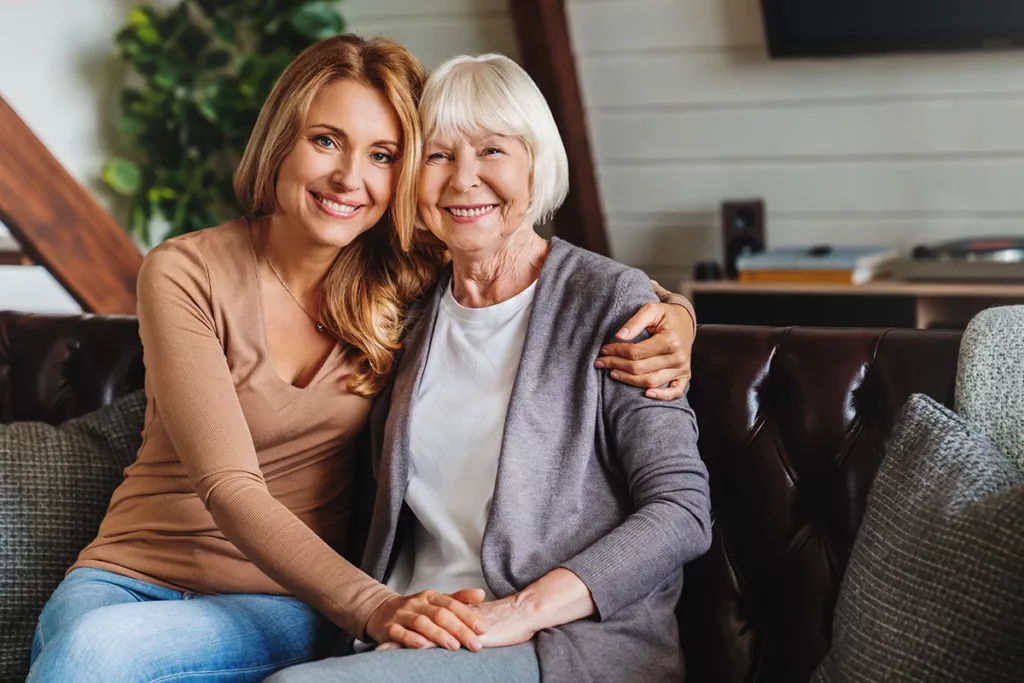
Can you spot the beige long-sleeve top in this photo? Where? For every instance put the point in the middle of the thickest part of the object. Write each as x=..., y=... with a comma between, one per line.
x=243, y=481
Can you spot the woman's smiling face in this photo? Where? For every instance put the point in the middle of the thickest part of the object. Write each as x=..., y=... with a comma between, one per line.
x=475, y=192
x=339, y=178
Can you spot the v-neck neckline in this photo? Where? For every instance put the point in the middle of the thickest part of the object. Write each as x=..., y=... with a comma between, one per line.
x=261, y=322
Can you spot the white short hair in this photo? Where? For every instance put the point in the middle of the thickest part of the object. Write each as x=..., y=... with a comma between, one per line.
x=490, y=94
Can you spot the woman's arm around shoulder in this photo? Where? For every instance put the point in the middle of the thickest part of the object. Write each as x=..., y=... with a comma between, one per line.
x=661, y=363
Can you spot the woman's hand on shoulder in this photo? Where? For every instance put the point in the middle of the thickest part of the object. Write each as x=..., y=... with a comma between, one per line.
x=428, y=619
x=663, y=360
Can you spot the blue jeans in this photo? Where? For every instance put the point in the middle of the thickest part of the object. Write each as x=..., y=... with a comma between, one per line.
x=104, y=627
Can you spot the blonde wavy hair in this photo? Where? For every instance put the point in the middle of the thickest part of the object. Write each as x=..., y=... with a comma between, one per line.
x=366, y=292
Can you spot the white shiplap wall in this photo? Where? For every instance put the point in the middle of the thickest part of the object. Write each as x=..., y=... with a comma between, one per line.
x=435, y=29
x=685, y=109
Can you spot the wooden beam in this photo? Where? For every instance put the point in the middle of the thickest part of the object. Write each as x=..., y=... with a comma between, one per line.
x=14, y=258
x=545, y=50
x=10, y=253
x=60, y=226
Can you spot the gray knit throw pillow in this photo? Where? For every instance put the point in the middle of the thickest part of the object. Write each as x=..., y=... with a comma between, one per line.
x=55, y=485
x=934, y=591
x=990, y=378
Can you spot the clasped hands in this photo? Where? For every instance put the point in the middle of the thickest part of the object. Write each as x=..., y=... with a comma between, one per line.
x=451, y=621
x=463, y=619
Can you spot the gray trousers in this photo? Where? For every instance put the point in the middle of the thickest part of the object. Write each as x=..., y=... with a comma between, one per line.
x=516, y=664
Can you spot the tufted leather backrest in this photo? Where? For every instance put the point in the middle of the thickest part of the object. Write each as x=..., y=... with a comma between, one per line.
x=53, y=368
x=792, y=428
x=793, y=424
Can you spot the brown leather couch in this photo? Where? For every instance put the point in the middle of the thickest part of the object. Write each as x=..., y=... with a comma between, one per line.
x=792, y=421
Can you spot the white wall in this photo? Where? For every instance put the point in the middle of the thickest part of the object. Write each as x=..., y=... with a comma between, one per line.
x=436, y=29
x=685, y=110
x=59, y=71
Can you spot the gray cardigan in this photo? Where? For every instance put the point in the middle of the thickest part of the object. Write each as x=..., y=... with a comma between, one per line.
x=592, y=476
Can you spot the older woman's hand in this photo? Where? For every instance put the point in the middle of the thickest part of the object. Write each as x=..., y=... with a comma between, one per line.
x=557, y=598
x=664, y=359
x=425, y=620
x=509, y=621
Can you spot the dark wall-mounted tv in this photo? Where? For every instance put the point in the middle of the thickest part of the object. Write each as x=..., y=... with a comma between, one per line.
x=819, y=28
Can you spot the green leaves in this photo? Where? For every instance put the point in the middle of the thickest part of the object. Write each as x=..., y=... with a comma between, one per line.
x=207, y=66
x=215, y=59
x=123, y=176
x=207, y=101
x=317, y=20
x=142, y=24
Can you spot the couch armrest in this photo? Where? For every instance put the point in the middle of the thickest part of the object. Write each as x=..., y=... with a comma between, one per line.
x=53, y=368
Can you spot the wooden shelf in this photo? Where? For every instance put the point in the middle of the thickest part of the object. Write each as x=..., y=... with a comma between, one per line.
x=880, y=288
x=896, y=303
x=14, y=258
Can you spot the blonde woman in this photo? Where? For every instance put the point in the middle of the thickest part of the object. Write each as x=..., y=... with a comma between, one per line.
x=508, y=466
x=265, y=341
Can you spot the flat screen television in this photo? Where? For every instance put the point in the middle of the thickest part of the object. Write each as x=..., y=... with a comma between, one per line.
x=819, y=28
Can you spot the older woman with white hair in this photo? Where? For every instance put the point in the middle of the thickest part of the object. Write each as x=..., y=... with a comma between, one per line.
x=512, y=473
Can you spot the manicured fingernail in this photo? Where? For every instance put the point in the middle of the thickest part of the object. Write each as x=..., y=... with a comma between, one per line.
x=651, y=394
x=452, y=644
x=599, y=365
x=615, y=374
x=623, y=333
x=474, y=645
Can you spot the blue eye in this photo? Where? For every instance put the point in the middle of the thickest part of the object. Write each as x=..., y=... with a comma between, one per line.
x=436, y=156
x=323, y=141
x=491, y=151
x=382, y=157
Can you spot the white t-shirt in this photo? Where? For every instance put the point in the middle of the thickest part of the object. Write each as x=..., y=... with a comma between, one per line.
x=457, y=423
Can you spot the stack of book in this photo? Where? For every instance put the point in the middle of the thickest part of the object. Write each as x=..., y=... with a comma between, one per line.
x=850, y=265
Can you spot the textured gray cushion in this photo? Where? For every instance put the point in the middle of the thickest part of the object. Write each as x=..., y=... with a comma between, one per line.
x=55, y=485
x=934, y=590
x=990, y=378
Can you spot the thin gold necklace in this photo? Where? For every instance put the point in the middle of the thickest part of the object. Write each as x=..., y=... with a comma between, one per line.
x=320, y=327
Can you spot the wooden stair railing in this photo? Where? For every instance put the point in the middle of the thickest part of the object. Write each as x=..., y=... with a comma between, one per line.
x=11, y=254
x=60, y=226
x=14, y=257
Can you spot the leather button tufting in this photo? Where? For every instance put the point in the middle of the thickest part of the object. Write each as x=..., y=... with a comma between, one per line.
x=792, y=428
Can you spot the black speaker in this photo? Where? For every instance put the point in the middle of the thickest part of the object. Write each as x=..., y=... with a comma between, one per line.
x=743, y=230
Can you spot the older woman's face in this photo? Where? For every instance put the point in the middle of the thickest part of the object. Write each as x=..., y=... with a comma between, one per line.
x=474, y=194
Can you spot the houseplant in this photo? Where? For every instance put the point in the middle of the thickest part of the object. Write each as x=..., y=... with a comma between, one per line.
x=200, y=71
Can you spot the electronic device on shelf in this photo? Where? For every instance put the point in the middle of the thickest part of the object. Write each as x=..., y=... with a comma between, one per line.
x=977, y=259
x=743, y=230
